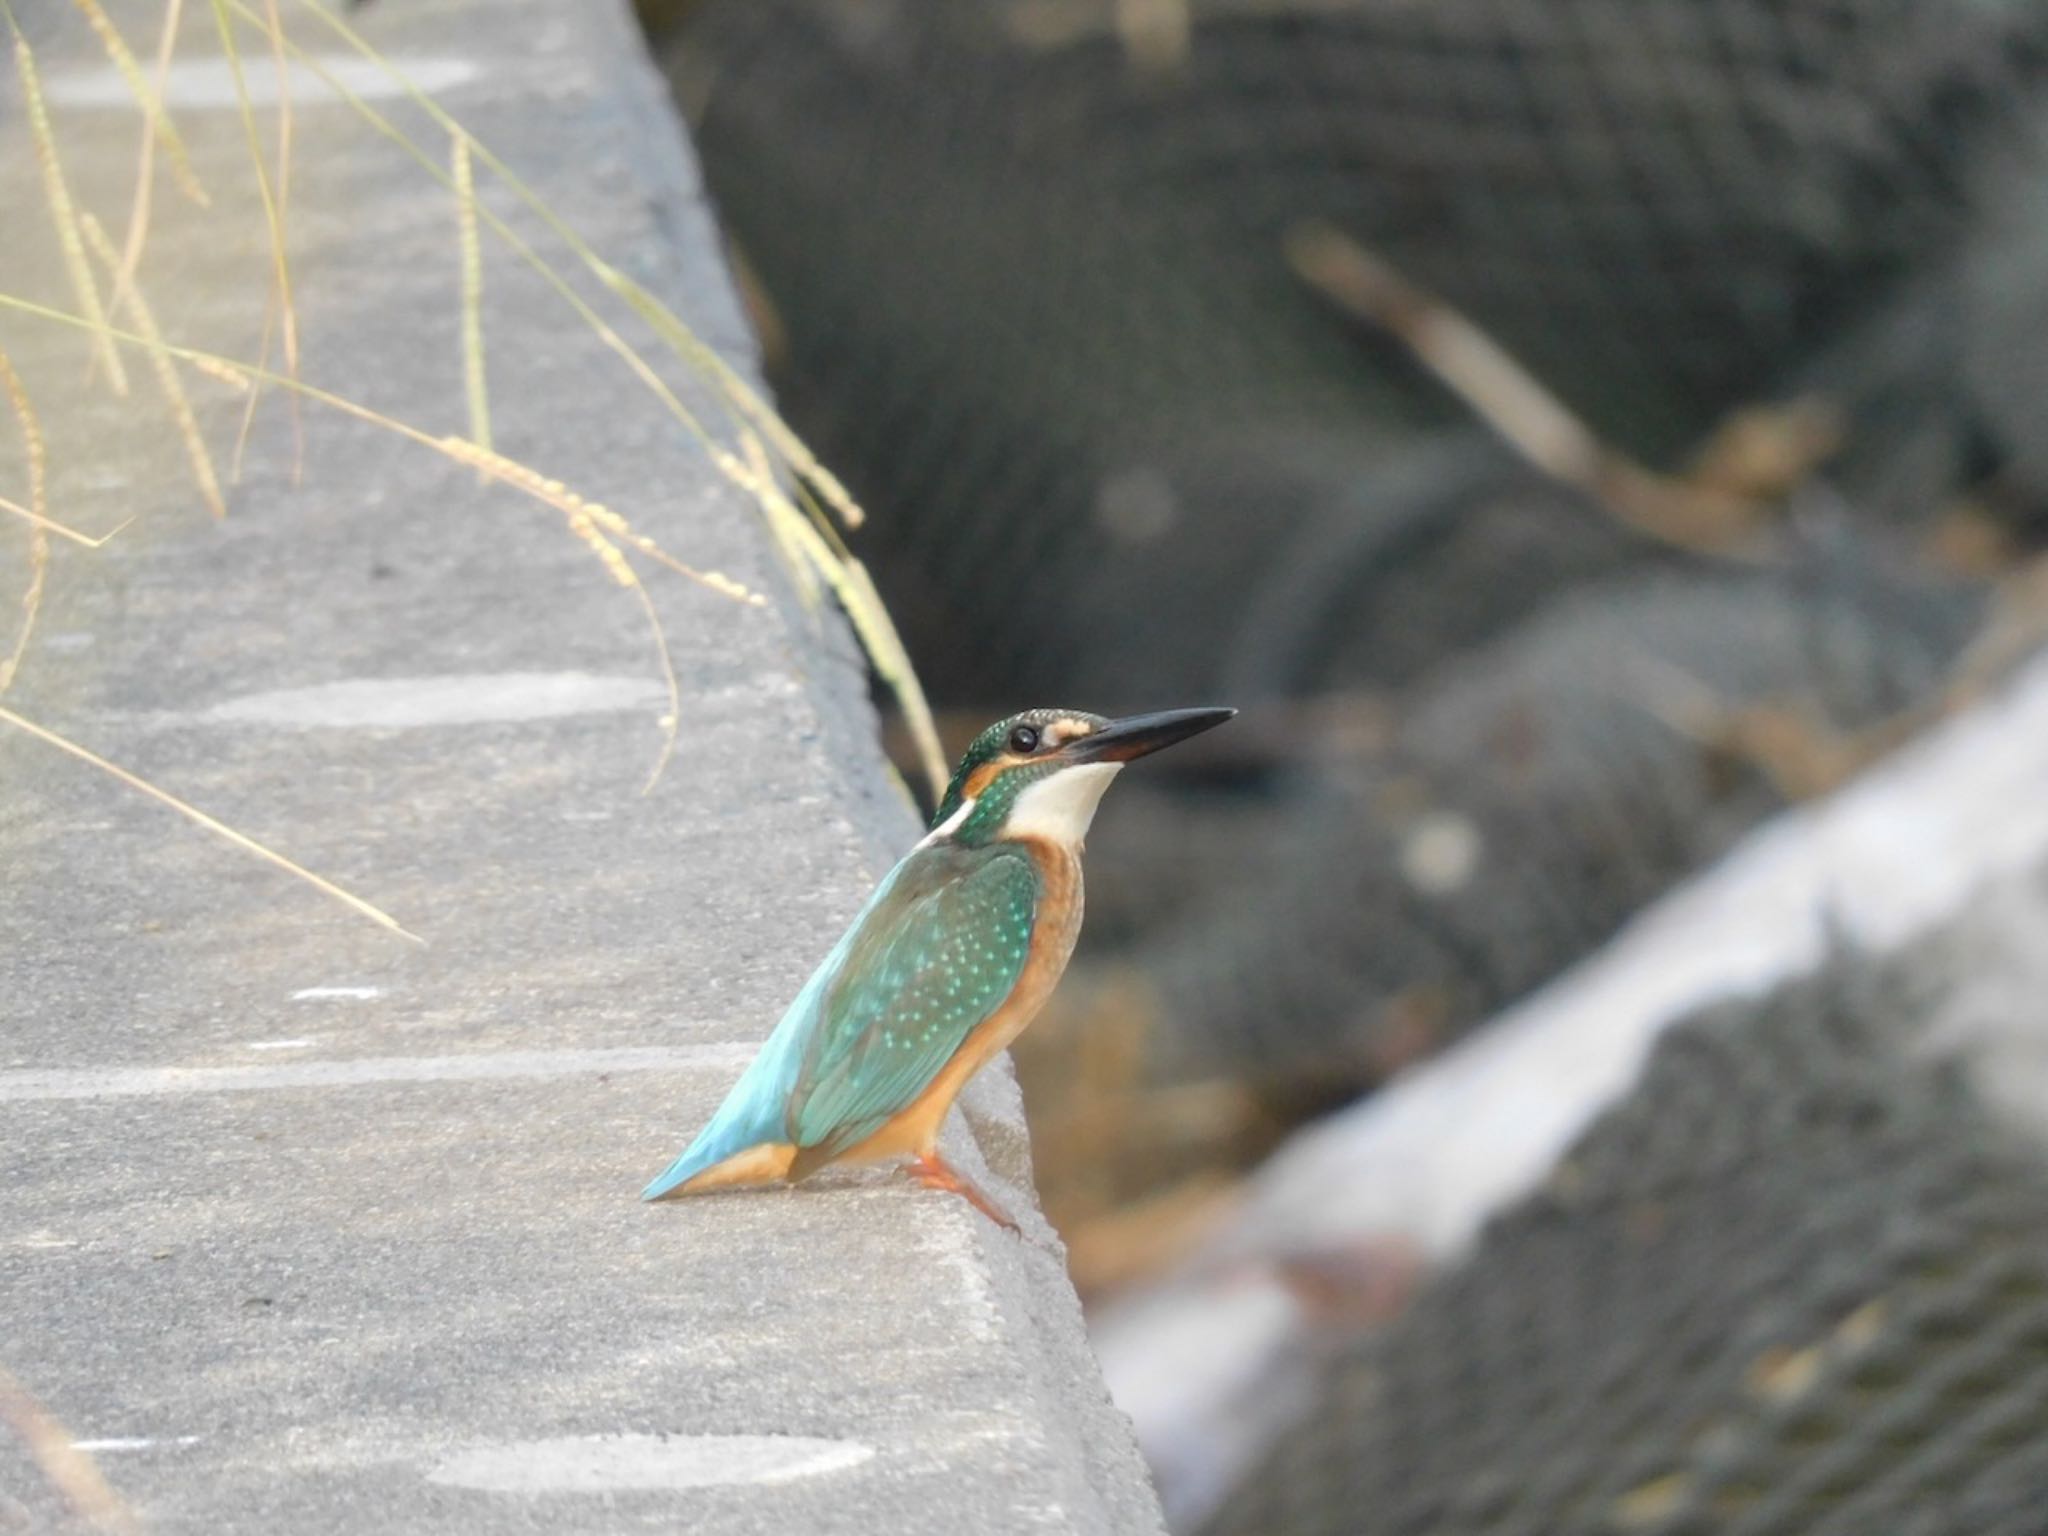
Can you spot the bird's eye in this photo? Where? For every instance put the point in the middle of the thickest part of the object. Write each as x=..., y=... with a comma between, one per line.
x=1024, y=739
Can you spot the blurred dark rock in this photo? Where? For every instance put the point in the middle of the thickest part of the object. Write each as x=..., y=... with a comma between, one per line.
x=1029, y=271
x=1797, y=1282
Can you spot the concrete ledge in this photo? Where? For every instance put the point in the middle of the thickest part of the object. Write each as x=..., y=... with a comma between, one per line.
x=303, y=1228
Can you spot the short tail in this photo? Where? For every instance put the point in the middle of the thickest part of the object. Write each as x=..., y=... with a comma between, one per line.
x=702, y=1167
x=742, y=1143
x=678, y=1173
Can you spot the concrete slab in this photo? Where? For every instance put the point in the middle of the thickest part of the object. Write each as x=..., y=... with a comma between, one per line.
x=304, y=1228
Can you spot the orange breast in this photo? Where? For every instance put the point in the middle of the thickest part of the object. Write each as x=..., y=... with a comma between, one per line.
x=1057, y=923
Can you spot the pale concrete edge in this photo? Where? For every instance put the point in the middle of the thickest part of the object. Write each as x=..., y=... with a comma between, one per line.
x=1039, y=1310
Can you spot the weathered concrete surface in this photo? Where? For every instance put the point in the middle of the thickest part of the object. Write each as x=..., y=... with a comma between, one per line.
x=303, y=1229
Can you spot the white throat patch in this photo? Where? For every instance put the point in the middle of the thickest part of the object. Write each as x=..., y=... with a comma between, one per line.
x=949, y=826
x=1060, y=806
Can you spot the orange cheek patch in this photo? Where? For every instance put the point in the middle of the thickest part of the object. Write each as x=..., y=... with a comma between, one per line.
x=984, y=776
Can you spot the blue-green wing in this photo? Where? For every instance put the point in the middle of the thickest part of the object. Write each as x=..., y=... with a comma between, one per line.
x=932, y=960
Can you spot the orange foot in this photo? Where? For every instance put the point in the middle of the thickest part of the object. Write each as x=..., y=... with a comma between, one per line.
x=933, y=1172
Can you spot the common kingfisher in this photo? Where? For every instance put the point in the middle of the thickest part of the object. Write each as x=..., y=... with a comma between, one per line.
x=951, y=957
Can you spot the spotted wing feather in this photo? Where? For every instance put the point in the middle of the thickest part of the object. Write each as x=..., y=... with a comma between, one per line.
x=928, y=965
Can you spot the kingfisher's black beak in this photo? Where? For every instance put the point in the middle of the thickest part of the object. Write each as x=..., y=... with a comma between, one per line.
x=1136, y=735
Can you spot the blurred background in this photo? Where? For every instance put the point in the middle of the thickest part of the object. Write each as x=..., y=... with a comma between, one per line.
x=1576, y=433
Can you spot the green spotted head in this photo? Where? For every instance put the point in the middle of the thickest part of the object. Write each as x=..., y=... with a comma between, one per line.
x=1040, y=774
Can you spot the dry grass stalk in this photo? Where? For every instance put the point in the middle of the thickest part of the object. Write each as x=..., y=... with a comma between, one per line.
x=751, y=406
x=167, y=379
x=1511, y=400
x=672, y=717
x=679, y=338
x=475, y=385
x=593, y=515
x=274, y=31
x=855, y=592
x=604, y=531
x=585, y=518
x=219, y=828
x=664, y=322
x=35, y=450
x=846, y=577
x=670, y=329
x=2015, y=629
x=157, y=125
x=220, y=371
x=584, y=522
x=69, y=1470
x=281, y=308
x=35, y=447
x=1802, y=756
x=539, y=265
x=145, y=156
x=83, y=540
x=63, y=215
x=552, y=493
